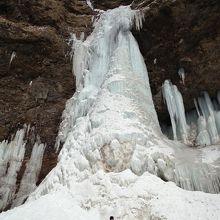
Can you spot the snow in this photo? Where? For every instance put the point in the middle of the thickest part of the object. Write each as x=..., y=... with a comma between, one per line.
x=59, y=205
x=114, y=151
x=122, y=195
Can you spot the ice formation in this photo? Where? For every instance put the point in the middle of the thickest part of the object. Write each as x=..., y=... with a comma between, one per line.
x=12, y=154
x=200, y=129
x=181, y=73
x=30, y=177
x=112, y=142
x=13, y=55
x=176, y=110
x=11, y=158
x=89, y=3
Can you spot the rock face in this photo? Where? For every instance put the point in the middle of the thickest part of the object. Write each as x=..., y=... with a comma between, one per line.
x=182, y=34
x=35, y=69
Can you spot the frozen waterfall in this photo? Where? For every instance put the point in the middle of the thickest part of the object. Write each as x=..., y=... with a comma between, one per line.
x=113, y=142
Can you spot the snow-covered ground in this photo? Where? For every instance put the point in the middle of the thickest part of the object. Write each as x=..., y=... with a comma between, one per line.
x=122, y=195
x=114, y=149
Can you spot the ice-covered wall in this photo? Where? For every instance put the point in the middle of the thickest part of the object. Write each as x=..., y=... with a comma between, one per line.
x=12, y=154
x=30, y=176
x=11, y=159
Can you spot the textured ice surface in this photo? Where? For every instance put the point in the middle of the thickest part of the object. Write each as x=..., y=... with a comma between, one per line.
x=11, y=158
x=200, y=129
x=12, y=154
x=30, y=176
x=176, y=110
x=191, y=171
x=112, y=140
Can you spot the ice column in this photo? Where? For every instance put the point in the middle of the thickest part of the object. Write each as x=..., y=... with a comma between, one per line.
x=11, y=156
x=30, y=177
x=176, y=110
x=208, y=122
x=89, y=3
x=206, y=130
x=181, y=73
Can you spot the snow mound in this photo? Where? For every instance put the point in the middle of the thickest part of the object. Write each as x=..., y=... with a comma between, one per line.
x=122, y=195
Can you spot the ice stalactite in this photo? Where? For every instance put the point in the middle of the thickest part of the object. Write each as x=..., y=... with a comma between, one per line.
x=30, y=177
x=11, y=158
x=194, y=128
x=176, y=109
x=201, y=129
x=182, y=75
x=13, y=56
x=208, y=122
x=12, y=154
x=89, y=3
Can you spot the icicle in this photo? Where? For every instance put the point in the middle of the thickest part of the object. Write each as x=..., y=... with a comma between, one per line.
x=181, y=73
x=82, y=36
x=139, y=18
x=89, y=3
x=11, y=158
x=203, y=138
x=209, y=114
x=212, y=129
x=208, y=120
x=169, y=98
x=203, y=106
x=218, y=97
x=197, y=108
x=209, y=103
x=30, y=177
x=217, y=119
x=13, y=55
x=176, y=110
x=12, y=154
